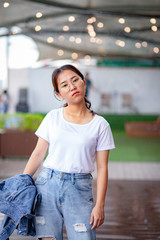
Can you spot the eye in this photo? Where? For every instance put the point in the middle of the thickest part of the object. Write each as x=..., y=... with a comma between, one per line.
x=75, y=80
x=64, y=85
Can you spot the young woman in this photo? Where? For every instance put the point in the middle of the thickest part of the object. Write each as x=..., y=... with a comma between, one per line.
x=75, y=136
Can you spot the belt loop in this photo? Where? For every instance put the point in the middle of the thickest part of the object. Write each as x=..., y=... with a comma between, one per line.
x=73, y=178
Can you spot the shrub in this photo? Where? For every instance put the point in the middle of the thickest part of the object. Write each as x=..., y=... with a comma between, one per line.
x=21, y=121
x=117, y=121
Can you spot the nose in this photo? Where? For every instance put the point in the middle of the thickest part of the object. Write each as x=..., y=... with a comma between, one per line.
x=71, y=86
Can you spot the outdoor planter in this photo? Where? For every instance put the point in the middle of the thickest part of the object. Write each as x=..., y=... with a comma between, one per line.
x=143, y=129
x=17, y=134
x=16, y=143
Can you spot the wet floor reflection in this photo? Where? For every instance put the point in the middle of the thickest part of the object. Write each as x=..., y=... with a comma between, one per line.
x=132, y=211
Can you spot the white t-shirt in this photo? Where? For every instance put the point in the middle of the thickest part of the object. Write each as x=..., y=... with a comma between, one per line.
x=72, y=147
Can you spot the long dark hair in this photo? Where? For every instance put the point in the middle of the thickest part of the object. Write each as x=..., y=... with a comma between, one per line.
x=55, y=75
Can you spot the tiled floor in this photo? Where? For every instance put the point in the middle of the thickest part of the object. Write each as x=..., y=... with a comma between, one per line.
x=117, y=170
x=133, y=171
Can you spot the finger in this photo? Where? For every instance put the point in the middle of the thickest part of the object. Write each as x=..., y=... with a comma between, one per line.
x=95, y=223
x=99, y=223
x=91, y=219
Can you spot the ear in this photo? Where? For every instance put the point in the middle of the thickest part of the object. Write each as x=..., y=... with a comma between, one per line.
x=59, y=95
x=84, y=82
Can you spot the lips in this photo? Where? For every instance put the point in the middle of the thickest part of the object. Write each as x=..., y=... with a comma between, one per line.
x=75, y=93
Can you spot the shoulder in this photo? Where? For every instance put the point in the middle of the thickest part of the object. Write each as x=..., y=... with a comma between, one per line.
x=101, y=124
x=52, y=115
x=102, y=121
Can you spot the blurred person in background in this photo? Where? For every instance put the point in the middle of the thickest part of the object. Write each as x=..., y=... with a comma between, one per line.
x=4, y=99
x=88, y=84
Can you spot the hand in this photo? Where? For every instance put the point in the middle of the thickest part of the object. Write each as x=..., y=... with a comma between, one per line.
x=97, y=217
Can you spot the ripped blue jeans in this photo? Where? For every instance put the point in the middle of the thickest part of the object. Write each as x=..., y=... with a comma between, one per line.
x=66, y=199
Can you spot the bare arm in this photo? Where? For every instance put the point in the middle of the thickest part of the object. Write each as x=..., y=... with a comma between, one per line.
x=97, y=216
x=36, y=157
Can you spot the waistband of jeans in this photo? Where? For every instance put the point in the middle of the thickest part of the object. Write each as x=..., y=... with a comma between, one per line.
x=64, y=175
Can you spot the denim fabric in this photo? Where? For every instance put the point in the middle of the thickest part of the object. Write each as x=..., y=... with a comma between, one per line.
x=7, y=227
x=18, y=197
x=66, y=198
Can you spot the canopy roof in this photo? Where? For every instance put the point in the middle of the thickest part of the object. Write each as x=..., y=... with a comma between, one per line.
x=101, y=28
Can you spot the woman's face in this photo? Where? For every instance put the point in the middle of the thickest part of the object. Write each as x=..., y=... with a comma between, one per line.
x=71, y=87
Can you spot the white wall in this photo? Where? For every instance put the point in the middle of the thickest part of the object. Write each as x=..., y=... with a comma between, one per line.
x=142, y=83
x=17, y=79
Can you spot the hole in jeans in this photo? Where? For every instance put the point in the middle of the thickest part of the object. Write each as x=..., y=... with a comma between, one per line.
x=40, y=220
x=80, y=227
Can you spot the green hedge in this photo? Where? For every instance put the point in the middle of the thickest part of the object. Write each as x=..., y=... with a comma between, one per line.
x=117, y=121
x=21, y=121
x=31, y=121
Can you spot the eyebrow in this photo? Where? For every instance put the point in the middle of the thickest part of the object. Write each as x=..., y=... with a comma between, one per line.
x=67, y=81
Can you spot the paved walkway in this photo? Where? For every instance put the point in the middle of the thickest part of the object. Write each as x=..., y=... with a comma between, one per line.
x=117, y=170
x=134, y=170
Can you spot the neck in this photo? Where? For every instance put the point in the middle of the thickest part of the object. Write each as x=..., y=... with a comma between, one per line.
x=77, y=110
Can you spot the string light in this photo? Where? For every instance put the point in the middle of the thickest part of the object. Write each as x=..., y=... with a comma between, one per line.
x=61, y=38
x=74, y=55
x=153, y=21
x=90, y=27
x=72, y=39
x=92, y=40
x=92, y=33
x=38, y=28
x=99, y=41
x=91, y=20
x=100, y=25
x=6, y=4
x=60, y=52
x=39, y=15
x=65, y=28
x=50, y=39
x=117, y=42
x=138, y=45
x=120, y=43
x=78, y=40
x=144, y=44
x=14, y=32
x=121, y=20
x=154, y=28
x=71, y=19
x=127, y=29
x=94, y=19
x=156, y=50
x=87, y=59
